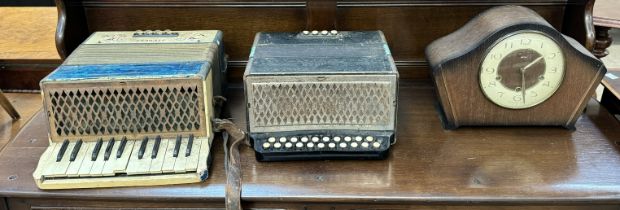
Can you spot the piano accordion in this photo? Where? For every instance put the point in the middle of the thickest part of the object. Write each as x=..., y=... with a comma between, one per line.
x=321, y=95
x=132, y=109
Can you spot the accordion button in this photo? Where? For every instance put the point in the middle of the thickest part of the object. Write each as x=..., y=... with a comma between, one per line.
x=320, y=145
x=337, y=138
x=288, y=145
x=299, y=145
x=347, y=138
x=315, y=32
x=310, y=145
x=324, y=32
x=325, y=138
x=315, y=139
x=277, y=145
x=266, y=145
x=358, y=138
x=331, y=145
x=370, y=138
x=304, y=139
x=306, y=32
x=293, y=139
x=365, y=144
x=282, y=139
x=271, y=139
x=334, y=32
x=343, y=145
x=354, y=145
x=376, y=145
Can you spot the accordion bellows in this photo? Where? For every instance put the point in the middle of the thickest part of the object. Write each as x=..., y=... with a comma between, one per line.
x=131, y=100
x=314, y=95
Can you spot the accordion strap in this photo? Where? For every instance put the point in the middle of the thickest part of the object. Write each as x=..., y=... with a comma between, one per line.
x=232, y=161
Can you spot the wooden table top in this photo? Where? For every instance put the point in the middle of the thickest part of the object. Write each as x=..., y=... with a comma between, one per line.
x=427, y=165
x=606, y=13
x=28, y=33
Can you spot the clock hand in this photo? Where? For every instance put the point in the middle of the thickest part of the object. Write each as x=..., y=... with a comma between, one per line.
x=531, y=63
x=523, y=83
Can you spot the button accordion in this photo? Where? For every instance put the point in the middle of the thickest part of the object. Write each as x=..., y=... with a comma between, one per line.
x=321, y=95
x=132, y=109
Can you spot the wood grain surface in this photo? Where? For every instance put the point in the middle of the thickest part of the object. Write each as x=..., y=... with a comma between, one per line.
x=27, y=33
x=472, y=164
x=606, y=13
x=427, y=166
x=27, y=104
x=408, y=25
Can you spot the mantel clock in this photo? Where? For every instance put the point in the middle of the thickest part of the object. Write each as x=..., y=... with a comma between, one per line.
x=509, y=67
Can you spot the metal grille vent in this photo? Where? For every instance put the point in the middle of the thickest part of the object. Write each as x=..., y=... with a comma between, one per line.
x=326, y=103
x=112, y=111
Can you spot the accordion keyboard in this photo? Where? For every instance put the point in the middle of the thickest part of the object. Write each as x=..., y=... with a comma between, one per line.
x=138, y=162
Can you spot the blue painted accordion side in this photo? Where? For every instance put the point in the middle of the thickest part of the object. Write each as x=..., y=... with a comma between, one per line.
x=128, y=71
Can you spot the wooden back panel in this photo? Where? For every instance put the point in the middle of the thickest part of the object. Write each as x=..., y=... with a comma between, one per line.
x=409, y=26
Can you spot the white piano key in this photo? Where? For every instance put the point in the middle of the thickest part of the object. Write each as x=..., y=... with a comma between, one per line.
x=204, y=154
x=140, y=166
x=120, y=165
x=87, y=164
x=59, y=169
x=110, y=164
x=99, y=162
x=179, y=164
x=158, y=162
x=168, y=164
x=191, y=162
x=74, y=166
x=45, y=161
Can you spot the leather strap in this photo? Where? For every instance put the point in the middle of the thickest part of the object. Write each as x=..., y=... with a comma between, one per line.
x=232, y=161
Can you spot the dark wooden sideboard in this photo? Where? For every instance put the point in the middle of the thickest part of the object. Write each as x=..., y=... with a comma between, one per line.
x=428, y=168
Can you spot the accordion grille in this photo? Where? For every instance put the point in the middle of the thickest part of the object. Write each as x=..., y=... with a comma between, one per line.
x=321, y=103
x=123, y=110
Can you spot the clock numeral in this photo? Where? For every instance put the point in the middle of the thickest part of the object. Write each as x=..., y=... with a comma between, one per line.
x=552, y=55
x=492, y=84
x=501, y=94
x=554, y=70
x=517, y=98
x=542, y=44
x=533, y=94
x=547, y=84
x=526, y=41
x=490, y=70
x=496, y=56
x=508, y=45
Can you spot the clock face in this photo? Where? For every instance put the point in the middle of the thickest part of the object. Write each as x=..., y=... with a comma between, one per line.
x=522, y=70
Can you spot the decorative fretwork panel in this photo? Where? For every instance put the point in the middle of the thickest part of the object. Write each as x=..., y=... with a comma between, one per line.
x=321, y=103
x=124, y=110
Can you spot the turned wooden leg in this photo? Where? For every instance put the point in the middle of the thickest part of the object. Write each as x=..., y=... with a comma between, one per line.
x=602, y=41
x=4, y=102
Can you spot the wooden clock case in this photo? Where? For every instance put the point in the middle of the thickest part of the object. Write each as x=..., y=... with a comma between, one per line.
x=455, y=62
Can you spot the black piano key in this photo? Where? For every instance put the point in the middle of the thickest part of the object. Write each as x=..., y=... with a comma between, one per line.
x=63, y=148
x=96, y=150
x=155, y=147
x=75, y=150
x=190, y=142
x=177, y=147
x=121, y=148
x=143, y=147
x=108, y=150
